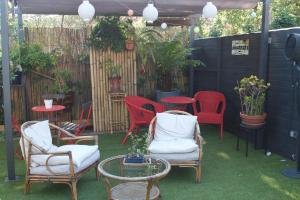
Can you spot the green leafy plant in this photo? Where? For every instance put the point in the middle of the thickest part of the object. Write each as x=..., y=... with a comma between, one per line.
x=138, y=145
x=31, y=57
x=283, y=19
x=170, y=57
x=129, y=29
x=114, y=70
x=109, y=32
x=146, y=42
x=62, y=81
x=252, y=92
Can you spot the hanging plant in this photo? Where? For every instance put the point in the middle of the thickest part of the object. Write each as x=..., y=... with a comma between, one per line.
x=32, y=57
x=108, y=33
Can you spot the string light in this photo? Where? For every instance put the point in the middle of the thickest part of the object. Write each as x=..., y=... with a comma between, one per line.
x=196, y=29
x=209, y=10
x=138, y=13
x=164, y=25
x=130, y=12
x=150, y=13
x=86, y=11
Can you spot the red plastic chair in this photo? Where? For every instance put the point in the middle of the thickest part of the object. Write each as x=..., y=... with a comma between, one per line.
x=17, y=129
x=84, y=120
x=212, y=108
x=138, y=114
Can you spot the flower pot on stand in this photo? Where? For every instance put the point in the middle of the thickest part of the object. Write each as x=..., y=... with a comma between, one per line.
x=115, y=84
x=129, y=44
x=253, y=120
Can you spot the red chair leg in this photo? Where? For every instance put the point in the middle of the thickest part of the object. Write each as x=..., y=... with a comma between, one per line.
x=128, y=133
x=137, y=130
x=19, y=155
x=221, y=130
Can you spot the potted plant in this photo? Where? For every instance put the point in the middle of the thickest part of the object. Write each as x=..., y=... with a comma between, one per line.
x=25, y=58
x=252, y=93
x=170, y=58
x=109, y=32
x=61, y=90
x=130, y=35
x=114, y=73
x=137, y=150
x=31, y=57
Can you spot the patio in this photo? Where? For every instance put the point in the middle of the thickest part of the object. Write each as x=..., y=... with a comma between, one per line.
x=227, y=174
x=125, y=71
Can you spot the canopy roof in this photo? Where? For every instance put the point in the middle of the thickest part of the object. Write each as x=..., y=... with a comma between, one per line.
x=119, y=7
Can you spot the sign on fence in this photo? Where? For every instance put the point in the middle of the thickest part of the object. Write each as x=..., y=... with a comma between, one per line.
x=240, y=47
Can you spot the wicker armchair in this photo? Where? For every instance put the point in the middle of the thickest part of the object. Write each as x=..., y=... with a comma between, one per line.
x=45, y=165
x=182, y=159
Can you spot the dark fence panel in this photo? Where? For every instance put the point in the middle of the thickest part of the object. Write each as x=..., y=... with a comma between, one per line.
x=224, y=70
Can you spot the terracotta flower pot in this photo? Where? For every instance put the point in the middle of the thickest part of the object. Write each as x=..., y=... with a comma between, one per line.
x=129, y=44
x=115, y=84
x=253, y=119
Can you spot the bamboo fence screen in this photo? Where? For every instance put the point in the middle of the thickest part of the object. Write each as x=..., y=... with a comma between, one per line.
x=109, y=112
x=70, y=44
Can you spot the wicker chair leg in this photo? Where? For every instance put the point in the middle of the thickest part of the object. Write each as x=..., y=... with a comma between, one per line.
x=97, y=173
x=27, y=186
x=73, y=186
x=198, y=173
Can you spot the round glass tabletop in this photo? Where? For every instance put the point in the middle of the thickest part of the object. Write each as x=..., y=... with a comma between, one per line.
x=116, y=168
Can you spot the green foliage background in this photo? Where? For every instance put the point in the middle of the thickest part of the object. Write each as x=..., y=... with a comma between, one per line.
x=284, y=14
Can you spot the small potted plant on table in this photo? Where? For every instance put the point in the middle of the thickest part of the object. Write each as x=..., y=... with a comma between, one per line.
x=252, y=92
x=137, y=150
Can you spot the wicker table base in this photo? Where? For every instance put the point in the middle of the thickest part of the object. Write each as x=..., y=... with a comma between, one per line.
x=133, y=190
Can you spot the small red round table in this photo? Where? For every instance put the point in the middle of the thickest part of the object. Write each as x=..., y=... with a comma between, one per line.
x=180, y=102
x=43, y=109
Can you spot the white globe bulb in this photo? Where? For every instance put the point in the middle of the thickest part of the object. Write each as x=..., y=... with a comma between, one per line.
x=86, y=11
x=196, y=29
x=209, y=10
x=164, y=25
x=150, y=13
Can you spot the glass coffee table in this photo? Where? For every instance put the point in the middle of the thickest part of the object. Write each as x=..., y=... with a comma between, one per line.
x=135, y=181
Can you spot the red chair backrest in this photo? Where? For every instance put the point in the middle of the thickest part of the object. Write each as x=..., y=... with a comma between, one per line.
x=138, y=114
x=210, y=101
x=136, y=110
x=85, y=116
x=141, y=101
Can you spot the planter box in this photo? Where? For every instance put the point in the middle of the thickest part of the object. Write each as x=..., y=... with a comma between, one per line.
x=134, y=160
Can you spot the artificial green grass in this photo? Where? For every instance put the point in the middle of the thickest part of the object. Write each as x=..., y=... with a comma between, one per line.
x=226, y=174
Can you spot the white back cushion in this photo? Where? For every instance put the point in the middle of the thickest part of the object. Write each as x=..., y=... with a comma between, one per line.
x=171, y=126
x=39, y=135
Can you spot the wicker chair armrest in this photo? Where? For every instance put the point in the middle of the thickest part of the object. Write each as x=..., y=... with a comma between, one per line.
x=81, y=138
x=61, y=130
x=55, y=154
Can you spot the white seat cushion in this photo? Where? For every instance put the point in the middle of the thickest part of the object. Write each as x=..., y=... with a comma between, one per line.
x=177, y=156
x=80, y=153
x=173, y=146
x=65, y=169
x=171, y=126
